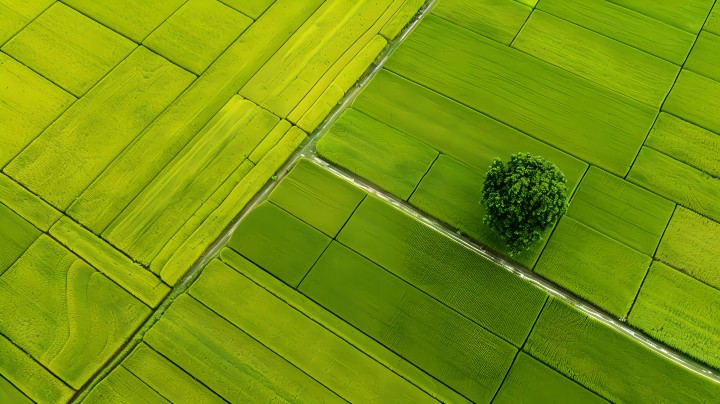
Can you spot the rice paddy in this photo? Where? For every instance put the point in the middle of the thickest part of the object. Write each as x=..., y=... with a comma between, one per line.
x=187, y=215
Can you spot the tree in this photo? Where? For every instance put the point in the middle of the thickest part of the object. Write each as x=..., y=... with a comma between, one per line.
x=524, y=198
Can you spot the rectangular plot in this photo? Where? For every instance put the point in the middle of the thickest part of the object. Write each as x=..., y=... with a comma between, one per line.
x=626, y=26
x=531, y=381
x=593, y=266
x=64, y=313
x=452, y=128
x=196, y=245
x=76, y=148
x=26, y=204
x=121, y=386
x=132, y=18
x=29, y=376
x=69, y=48
x=152, y=218
x=195, y=35
x=153, y=149
x=478, y=288
x=111, y=262
x=597, y=58
x=294, y=248
x=555, y=106
x=687, y=14
x=694, y=98
x=452, y=192
x=401, y=18
x=166, y=378
x=28, y=104
x=678, y=182
x=500, y=20
x=16, y=235
x=611, y=363
x=705, y=56
x=377, y=152
x=686, y=142
x=341, y=328
x=681, y=312
x=621, y=210
x=316, y=196
x=223, y=357
x=691, y=244
x=288, y=76
x=323, y=355
x=445, y=344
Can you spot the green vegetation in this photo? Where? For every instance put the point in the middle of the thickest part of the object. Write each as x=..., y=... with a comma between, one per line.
x=524, y=198
x=499, y=20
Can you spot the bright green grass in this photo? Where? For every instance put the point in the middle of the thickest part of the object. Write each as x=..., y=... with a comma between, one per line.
x=593, y=266
x=10, y=393
x=75, y=318
x=597, y=58
x=611, y=363
x=452, y=192
x=155, y=215
x=691, y=244
x=134, y=19
x=530, y=381
x=678, y=182
x=29, y=104
x=166, y=378
x=341, y=328
x=180, y=254
x=681, y=312
x=68, y=48
x=29, y=376
x=223, y=357
x=686, y=142
x=153, y=149
x=453, y=128
x=197, y=34
x=16, y=14
x=465, y=281
x=500, y=20
x=687, y=14
x=298, y=65
x=694, y=98
x=317, y=197
x=575, y=115
x=16, y=235
x=624, y=25
x=111, y=262
x=312, y=348
x=705, y=56
x=377, y=152
x=279, y=242
x=445, y=344
x=122, y=386
x=78, y=146
x=27, y=205
x=251, y=8
x=621, y=210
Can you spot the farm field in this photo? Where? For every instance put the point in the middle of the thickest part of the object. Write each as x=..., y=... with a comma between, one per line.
x=161, y=239
x=623, y=96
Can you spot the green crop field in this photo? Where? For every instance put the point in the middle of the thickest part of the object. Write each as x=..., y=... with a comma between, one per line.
x=280, y=200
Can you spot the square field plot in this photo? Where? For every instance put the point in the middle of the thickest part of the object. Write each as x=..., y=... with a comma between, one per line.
x=28, y=103
x=64, y=313
x=197, y=34
x=68, y=48
x=134, y=19
x=593, y=266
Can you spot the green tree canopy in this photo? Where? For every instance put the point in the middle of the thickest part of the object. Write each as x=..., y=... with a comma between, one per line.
x=524, y=198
